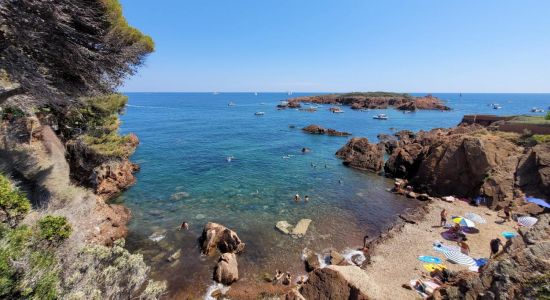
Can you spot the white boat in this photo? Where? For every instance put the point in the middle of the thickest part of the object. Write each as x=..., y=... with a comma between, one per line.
x=231, y=103
x=336, y=110
x=259, y=113
x=537, y=110
x=496, y=106
x=380, y=117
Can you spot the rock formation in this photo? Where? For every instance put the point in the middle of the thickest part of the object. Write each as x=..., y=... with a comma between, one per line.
x=374, y=100
x=465, y=161
x=316, y=129
x=360, y=154
x=216, y=236
x=226, y=271
x=329, y=284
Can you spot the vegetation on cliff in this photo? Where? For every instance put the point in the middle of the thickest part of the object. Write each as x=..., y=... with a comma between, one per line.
x=13, y=203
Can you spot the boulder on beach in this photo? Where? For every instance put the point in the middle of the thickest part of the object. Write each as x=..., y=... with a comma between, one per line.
x=310, y=259
x=325, y=284
x=216, y=236
x=227, y=269
x=336, y=258
x=284, y=227
x=301, y=228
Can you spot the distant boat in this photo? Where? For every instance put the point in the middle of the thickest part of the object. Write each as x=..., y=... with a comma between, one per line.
x=496, y=106
x=537, y=110
x=380, y=117
x=289, y=93
x=215, y=93
x=231, y=103
x=259, y=113
x=255, y=93
x=336, y=110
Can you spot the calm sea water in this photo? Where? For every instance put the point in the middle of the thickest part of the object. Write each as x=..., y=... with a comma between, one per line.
x=186, y=138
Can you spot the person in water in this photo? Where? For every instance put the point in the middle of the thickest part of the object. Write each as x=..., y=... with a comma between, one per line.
x=443, y=217
x=184, y=225
x=306, y=198
x=297, y=198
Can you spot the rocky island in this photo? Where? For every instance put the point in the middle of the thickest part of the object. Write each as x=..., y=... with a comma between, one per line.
x=372, y=100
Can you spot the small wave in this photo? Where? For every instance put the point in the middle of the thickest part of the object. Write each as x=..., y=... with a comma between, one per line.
x=156, y=237
x=215, y=287
x=349, y=253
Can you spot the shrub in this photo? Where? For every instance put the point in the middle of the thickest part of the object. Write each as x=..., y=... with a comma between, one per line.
x=13, y=202
x=101, y=272
x=547, y=116
x=54, y=228
x=541, y=138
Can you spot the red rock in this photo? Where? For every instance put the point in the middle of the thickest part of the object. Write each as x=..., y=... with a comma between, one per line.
x=360, y=154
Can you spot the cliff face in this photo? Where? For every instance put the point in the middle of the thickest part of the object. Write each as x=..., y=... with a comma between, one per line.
x=465, y=161
x=374, y=101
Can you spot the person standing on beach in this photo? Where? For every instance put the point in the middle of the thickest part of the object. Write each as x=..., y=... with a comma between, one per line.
x=443, y=217
x=508, y=212
x=464, y=248
x=495, y=245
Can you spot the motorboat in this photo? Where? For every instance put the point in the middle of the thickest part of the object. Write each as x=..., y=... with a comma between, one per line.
x=380, y=117
x=496, y=106
x=336, y=110
x=231, y=103
x=537, y=110
x=259, y=113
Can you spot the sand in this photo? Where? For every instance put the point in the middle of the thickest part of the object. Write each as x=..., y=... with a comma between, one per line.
x=394, y=261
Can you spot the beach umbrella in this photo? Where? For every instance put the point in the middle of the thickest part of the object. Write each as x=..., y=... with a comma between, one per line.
x=475, y=217
x=460, y=258
x=464, y=222
x=538, y=201
x=527, y=221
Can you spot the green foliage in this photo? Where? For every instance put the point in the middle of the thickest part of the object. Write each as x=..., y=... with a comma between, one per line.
x=547, y=116
x=530, y=120
x=28, y=270
x=13, y=202
x=377, y=94
x=121, y=27
x=54, y=228
x=101, y=272
x=541, y=138
x=538, y=287
x=111, y=144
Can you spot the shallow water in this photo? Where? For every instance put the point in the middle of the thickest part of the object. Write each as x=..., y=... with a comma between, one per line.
x=186, y=138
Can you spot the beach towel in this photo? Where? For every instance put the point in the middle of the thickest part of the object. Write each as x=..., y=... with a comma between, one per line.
x=433, y=267
x=429, y=259
x=508, y=235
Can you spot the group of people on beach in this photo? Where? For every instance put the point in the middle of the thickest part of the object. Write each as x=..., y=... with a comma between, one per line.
x=286, y=278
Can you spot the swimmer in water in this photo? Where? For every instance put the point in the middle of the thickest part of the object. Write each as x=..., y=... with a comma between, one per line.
x=297, y=198
x=306, y=198
x=184, y=225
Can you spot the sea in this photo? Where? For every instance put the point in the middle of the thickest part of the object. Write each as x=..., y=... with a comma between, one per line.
x=203, y=160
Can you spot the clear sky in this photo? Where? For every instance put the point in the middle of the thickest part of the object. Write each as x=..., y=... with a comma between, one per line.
x=344, y=45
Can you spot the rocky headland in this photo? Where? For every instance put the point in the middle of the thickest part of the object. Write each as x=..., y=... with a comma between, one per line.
x=373, y=100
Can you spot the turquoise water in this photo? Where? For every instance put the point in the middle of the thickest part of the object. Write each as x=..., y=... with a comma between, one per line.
x=186, y=138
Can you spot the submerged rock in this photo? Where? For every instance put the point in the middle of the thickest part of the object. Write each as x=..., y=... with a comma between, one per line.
x=301, y=228
x=175, y=256
x=284, y=227
x=227, y=271
x=179, y=195
x=216, y=236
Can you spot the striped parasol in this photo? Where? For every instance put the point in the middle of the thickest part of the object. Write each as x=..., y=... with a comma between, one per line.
x=475, y=217
x=527, y=221
x=460, y=258
x=464, y=222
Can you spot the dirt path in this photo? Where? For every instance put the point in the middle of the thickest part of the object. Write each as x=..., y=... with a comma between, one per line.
x=394, y=262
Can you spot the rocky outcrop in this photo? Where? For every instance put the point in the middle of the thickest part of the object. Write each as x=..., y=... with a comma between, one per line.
x=520, y=273
x=107, y=176
x=316, y=129
x=216, y=236
x=376, y=100
x=329, y=284
x=360, y=154
x=226, y=271
x=311, y=260
x=468, y=161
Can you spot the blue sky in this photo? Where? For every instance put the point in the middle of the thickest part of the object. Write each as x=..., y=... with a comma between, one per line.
x=344, y=45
